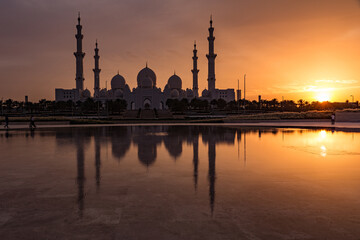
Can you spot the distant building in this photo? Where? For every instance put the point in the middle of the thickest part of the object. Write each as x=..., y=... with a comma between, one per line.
x=65, y=95
x=146, y=94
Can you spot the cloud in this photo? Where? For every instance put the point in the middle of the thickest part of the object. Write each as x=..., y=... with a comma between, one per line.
x=338, y=81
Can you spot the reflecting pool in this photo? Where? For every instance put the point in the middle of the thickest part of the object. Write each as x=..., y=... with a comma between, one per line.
x=179, y=182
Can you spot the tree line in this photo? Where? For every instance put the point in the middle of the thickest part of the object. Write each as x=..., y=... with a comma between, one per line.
x=90, y=106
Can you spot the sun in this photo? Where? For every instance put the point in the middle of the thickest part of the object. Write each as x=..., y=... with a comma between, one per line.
x=323, y=97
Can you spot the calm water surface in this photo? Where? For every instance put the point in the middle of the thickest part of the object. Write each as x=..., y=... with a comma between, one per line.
x=179, y=182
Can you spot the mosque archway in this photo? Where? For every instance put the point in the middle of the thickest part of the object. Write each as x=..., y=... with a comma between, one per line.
x=147, y=103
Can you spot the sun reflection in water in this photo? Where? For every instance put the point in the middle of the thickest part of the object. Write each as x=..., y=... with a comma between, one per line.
x=322, y=134
x=322, y=139
x=323, y=151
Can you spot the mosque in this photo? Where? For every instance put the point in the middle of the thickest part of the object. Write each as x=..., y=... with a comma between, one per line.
x=146, y=95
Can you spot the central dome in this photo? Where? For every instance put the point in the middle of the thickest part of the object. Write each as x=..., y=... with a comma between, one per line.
x=117, y=82
x=147, y=83
x=144, y=73
x=175, y=82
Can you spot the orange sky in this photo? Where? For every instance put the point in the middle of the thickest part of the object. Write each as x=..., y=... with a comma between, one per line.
x=296, y=49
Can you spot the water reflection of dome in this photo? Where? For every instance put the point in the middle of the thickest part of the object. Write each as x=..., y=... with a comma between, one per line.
x=147, y=154
x=119, y=149
x=120, y=142
x=174, y=146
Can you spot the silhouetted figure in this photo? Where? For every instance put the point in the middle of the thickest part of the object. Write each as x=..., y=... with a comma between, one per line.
x=333, y=118
x=32, y=123
x=6, y=122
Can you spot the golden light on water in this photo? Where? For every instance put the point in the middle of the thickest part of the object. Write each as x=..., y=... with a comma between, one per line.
x=322, y=134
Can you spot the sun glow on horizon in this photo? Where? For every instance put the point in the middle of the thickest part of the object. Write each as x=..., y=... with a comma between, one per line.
x=323, y=96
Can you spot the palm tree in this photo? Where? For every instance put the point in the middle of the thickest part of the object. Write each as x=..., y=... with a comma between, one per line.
x=301, y=104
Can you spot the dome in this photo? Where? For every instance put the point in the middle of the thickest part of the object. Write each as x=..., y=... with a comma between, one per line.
x=175, y=82
x=144, y=73
x=205, y=93
x=189, y=93
x=175, y=93
x=86, y=93
x=127, y=88
x=147, y=83
x=118, y=82
x=118, y=93
x=103, y=93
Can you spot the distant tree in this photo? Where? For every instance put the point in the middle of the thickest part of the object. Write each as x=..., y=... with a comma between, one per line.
x=8, y=104
x=88, y=105
x=301, y=104
x=221, y=104
x=195, y=103
x=119, y=105
x=274, y=104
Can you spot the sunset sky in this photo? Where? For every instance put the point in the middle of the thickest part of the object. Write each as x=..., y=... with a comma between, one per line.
x=307, y=49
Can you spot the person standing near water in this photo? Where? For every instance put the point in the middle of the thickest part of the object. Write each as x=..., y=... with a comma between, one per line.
x=6, y=122
x=333, y=118
x=32, y=122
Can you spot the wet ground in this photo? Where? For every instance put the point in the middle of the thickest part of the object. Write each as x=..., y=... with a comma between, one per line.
x=179, y=182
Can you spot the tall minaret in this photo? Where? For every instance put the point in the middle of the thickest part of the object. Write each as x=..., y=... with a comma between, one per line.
x=211, y=58
x=195, y=72
x=96, y=72
x=79, y=55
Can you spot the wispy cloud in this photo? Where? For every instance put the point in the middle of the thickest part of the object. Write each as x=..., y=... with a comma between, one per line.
x=338, y=81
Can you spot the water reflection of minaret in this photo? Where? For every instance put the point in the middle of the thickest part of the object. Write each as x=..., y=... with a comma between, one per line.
x=196, y=160
x=238, y=135
x=97, y=162
x=244, y=148
x=212, y=174
x=80, y=177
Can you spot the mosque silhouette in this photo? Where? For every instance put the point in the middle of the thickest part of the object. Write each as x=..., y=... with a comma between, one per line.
x=146, y=95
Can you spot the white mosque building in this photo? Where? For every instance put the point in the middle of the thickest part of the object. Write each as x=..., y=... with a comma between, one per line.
x=146, y=94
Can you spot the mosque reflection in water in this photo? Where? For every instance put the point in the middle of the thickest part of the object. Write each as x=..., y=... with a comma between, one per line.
x=148, y=139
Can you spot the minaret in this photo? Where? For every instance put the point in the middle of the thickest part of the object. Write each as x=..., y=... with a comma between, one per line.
x=211, y=58
x=79, y=55
x=195, y=72
x=96, y=72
